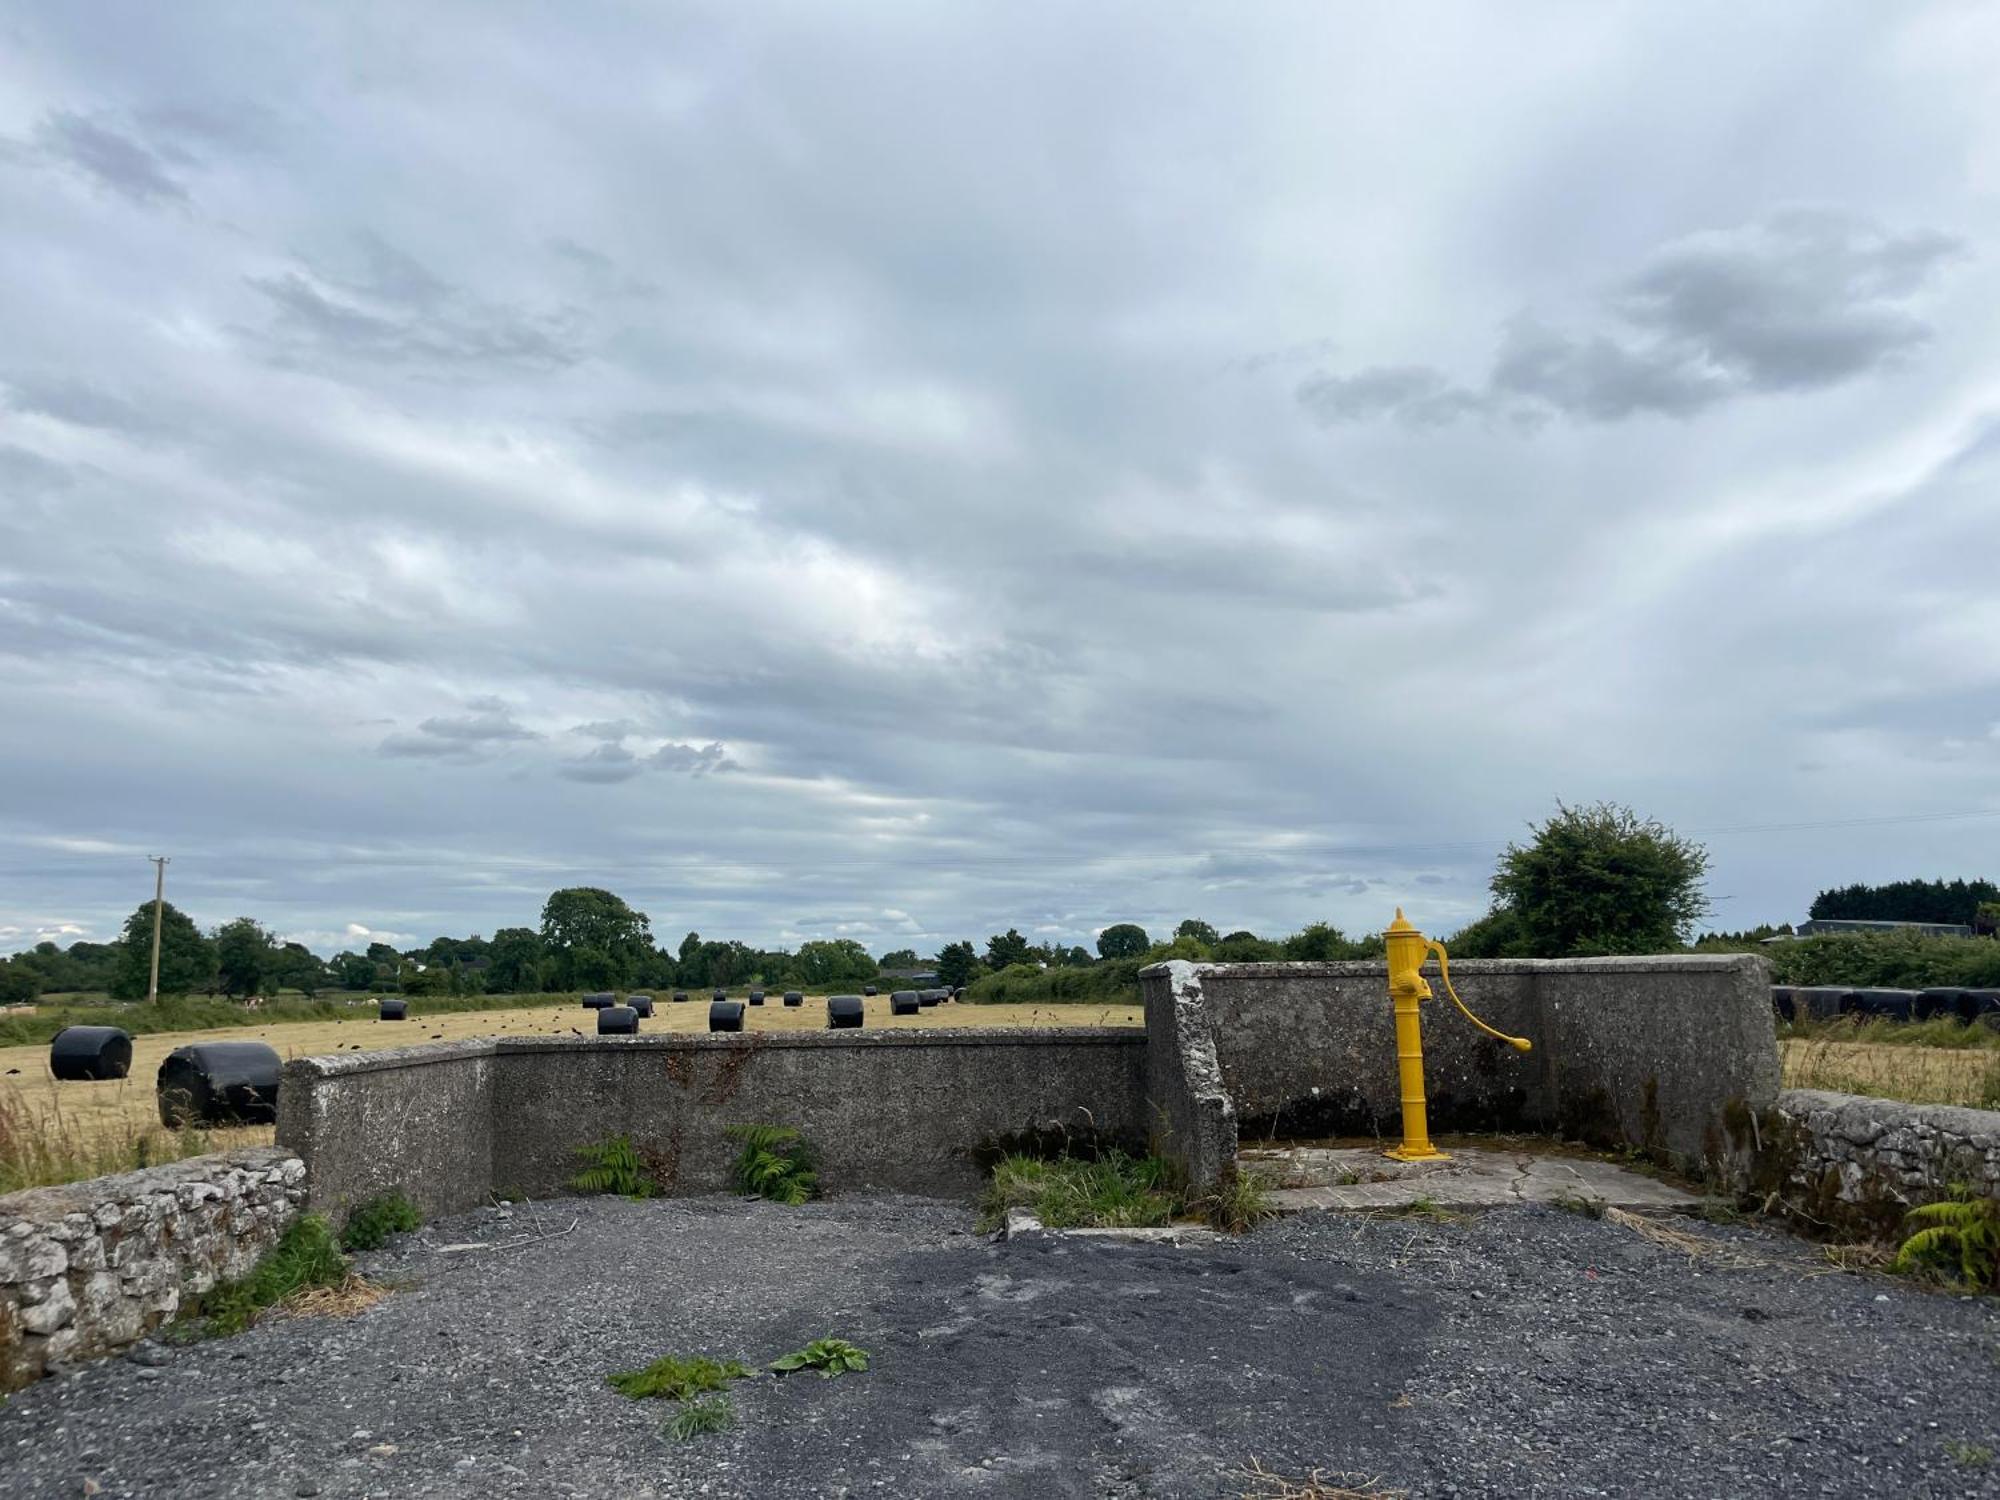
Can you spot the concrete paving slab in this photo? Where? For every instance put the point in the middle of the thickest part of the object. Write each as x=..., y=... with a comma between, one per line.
x=1362, y=1178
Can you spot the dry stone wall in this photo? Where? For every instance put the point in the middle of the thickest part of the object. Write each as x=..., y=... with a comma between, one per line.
x=1846, y=1162
x=90, y=1267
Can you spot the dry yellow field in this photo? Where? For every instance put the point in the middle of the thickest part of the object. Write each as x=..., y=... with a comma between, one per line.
x=126, y=1105
x=1922, y=1075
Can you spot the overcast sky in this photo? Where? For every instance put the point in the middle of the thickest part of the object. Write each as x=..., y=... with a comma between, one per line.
x=905, y=470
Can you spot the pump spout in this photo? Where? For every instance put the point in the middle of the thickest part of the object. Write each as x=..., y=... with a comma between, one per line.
x=1518, y=1043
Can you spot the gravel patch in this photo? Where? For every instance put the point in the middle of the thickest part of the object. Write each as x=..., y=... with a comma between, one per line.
x=1522, y=1352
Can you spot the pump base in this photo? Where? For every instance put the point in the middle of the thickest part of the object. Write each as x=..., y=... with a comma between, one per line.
x=1414, y=1153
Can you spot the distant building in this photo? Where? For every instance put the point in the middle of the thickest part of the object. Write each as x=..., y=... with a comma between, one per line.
x=916, y=979
x=1846, y=924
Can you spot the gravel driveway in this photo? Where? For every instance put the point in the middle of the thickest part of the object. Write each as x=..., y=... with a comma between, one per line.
x=1522, y=1352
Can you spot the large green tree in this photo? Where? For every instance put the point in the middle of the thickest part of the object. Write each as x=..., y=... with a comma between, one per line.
x=515, y=962
x=1601, y=880
x=187, y=959
x=1123, y=940
x=18, y=985
x=827, y=963
x=1006, y=948
x=244, y=957
x=296, y=966
x=1202, y=932
x=957, y=964
x=901, y=958
x=586, y=918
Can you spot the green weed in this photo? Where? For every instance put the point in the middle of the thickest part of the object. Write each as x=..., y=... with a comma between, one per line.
x=370, y=1224
x=776, y=1163
x=306, y=1256
x=829, y=1356
x=699, y=1418
x=1580, y=1205
x=1115, y=1191
x=1240, y=1204
x=1961, y=1232
x=1972, y=1455
x=678, y=1377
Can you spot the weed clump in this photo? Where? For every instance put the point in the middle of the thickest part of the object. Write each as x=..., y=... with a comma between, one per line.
x=305, y=1258
x=698, y=1418
x=677, y=1377
x=370, y=1224
x=776, y=1163
x=829, y=1356
x=1960, y=1233
x=1117, y=1191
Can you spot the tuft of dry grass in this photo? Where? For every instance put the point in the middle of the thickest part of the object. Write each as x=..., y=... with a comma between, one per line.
x=1315, y=1485
x=1693, y=1246
x=42, y=1143
x=349, y=1298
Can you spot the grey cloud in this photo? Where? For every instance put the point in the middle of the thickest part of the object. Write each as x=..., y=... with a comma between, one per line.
x=489, y=723
x=694, y=760
x=419, y=746
x=110, y=159
x=80, y=404
x=26, y=472
x=1801, y=300
x=607, y=763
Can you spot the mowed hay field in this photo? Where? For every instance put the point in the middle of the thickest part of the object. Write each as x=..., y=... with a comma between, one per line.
x=1968, y=1076
x=125, y=1106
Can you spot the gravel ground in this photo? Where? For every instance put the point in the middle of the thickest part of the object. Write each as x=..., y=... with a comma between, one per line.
x=1522, y=1352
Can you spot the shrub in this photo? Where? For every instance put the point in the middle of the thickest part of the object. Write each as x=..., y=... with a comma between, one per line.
x=677, y=1377
x=1602, y=880
x=370, y=1224
x=829, y=1356
x=776, y=1163
x=613, y=1166
x=1891, y=960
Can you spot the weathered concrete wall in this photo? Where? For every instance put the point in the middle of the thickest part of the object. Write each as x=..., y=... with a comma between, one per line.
x=907, y=1110
x=1843, y=1163
x=415, y=1118
x=1192, y=1119
x=90, y=1267
x=1658, y=1053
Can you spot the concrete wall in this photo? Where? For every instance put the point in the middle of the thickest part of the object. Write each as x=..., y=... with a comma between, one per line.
x=90, y=1267
x=416, y=1118
x=912, y=1111
x=1841, y=1163
x=1658, y=1053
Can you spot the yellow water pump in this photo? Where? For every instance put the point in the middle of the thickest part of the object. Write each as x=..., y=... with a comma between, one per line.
x=1408, y=948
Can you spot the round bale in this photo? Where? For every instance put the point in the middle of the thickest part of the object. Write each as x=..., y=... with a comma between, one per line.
x=599, y=1000
x=81, y=1054
x=642, y=1005
x=219, y=1083
x=843, y=1011
x=725, y=1015
x=718, y=995
x=927, y=998
x=869, y=989
x=392, y=1010
x=794, y=999
x=1781, y=1001
x=680, y=997
x=905, y=1003
x=618, y=1020
x=1894, y=1005
x=756, y=997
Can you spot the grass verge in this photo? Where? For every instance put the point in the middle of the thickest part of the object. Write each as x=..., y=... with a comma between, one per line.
x=1116, y=1191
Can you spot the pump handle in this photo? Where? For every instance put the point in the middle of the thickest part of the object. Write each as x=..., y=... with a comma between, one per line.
x=1518, y=1043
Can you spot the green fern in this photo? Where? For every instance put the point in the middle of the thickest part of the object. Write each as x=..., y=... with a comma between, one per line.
x=829, y=1356
x=776, y=1163
x=613, y=1167
x=1961, y=1228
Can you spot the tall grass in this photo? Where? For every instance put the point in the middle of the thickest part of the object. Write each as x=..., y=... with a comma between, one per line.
x=1831, y=1058
x=41, y=1145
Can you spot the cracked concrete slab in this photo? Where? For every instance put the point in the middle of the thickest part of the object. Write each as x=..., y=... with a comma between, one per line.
x=1363, y=1178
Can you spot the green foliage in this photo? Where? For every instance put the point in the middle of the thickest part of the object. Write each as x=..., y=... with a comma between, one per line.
x=1199, y=930
x=1602, y=880
x=1907, y=901
x=699, y=1418
x=678, y=1377
x=243, y=956
x=1246, y=948
x=822, y=965
x=1960, y=1233
x=616, y=939
x=1891, y=960
x=1319, y=942
x=901, y=958
x=1498, y=934
x=958, y=964
x=1114, y=1191
x=371, y=1223
x=304, y=1257
x=18, y=985
x=829, y=1356
x=613, y=1166
x=1123, y=940
x=1005, y=948
x=187, y=959
x=776, y=1163
x=1239, y=1204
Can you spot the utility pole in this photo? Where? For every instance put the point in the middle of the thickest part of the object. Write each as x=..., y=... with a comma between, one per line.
x=160, y=863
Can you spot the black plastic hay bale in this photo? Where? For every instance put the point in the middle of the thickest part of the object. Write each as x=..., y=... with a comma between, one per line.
x=392, y=1010
x=1781, y=1001
x=794, y=999
x=599, y=1000
x=1894, y=1005
x=843, y=1011
x=756, y=997
x=718, y=995
x=80, y=1054
x=219, y=1083
x=927, y=998
x=1820, y=1001
x=869, y=989
x=641, y=1004
x=680, y=997
x=905, y=1003
x=1939, y=1001
x=725, y=1015
x=618, y=1020
x=1984, y=1007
